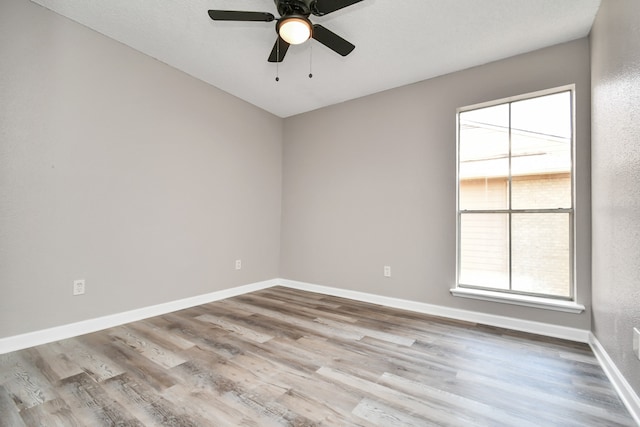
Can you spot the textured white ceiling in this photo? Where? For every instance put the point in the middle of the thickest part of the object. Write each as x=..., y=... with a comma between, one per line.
x=397, y=42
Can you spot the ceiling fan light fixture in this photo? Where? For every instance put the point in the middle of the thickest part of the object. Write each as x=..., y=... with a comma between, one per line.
x=294, y=29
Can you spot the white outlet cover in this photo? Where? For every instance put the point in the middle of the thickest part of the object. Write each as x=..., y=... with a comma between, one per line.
x=78, y=287
x=387, y=271
x=238, y=264
x=636, y=342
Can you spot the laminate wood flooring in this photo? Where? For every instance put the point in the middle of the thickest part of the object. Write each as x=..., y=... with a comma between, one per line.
x=283, y=357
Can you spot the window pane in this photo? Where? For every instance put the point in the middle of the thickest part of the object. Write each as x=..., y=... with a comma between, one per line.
x=541, y=260
x=484, y=157
x=541, y=191
x=484, y=193
x=541, y=152
x=548, y=115
x=484, y=250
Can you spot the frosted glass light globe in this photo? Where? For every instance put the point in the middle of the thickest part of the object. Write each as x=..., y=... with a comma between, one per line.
x=295, y=30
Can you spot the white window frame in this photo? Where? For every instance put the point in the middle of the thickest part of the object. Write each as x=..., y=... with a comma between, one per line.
x=552, y=302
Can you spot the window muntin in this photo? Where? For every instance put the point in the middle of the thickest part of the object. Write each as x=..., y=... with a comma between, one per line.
x=515, y=195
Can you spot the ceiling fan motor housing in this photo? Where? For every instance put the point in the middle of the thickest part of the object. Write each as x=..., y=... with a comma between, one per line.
x=295, y=7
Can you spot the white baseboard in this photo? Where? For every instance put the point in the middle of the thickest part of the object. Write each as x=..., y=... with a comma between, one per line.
x=626, y=393
x=30, y=339
x=572, y=334
x=44, y=336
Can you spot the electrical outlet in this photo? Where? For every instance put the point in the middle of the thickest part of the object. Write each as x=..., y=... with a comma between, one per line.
x=78, y=287
x=238, y=264
x=387, y=271
x=636, y=342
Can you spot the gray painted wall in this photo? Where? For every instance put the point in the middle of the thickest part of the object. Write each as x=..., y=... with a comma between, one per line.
x=615, y=61
x=372, y=182
x=148, y=183
x=120, y=170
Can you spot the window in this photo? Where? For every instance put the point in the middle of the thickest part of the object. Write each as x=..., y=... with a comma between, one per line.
x=515, y=195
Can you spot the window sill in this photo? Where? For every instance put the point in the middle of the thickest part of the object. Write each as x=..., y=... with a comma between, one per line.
x=524, y=300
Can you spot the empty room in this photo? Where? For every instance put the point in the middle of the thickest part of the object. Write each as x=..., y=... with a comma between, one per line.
x=320, y=213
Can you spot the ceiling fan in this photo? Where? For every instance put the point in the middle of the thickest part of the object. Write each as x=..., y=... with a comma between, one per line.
x=294, y=26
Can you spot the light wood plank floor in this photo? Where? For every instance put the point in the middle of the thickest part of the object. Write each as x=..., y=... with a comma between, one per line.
x=282, y=357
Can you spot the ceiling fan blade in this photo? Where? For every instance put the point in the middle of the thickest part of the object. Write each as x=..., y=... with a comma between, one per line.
x=237, y=15
x=279, y=50
x=332, y=40
x=322, y=7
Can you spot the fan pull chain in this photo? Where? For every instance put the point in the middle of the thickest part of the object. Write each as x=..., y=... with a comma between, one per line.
x=310, y=60
x=277, y=60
